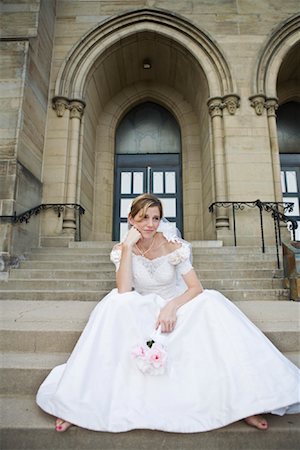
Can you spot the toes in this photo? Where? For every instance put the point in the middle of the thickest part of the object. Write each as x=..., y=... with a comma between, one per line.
x=258, y=422
x=62, y=425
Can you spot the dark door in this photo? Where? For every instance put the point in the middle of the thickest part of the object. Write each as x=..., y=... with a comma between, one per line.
x=136, y=174
x=290, y=184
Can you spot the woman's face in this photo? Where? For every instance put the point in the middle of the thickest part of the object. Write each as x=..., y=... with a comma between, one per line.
x=148, y=224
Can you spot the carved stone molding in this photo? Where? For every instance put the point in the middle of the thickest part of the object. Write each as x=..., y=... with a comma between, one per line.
x=76, y=109
x=271, y=106
x=215, y=106
x=258, y=103
x=60, y=104
x=231, y=102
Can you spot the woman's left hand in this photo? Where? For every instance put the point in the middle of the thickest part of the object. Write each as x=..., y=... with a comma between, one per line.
x=167, y=318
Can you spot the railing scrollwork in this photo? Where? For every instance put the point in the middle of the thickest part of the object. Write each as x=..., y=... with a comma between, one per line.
x=277, y=211
x=58, y=208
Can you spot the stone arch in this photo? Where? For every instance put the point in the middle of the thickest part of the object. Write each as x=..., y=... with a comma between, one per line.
x=283, y=38
x=78, y=80
x=72, y=76
x=279, y=43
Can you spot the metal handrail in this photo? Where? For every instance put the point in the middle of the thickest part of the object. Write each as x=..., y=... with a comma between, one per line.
x=270, y=207
x=57, y=207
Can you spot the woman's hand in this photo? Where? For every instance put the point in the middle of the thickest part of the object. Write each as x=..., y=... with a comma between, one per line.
x=133, y=236
x=167, y=318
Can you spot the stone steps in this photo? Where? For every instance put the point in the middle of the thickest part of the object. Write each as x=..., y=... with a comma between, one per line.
x=37, y=336
x=109, y=284
x=197, y=257
x=201, y=246
x=48, y=302
x=26, y=427
x=91, y=295
x=96, y=265
x=23, y=373
x=106, y=249
x=110, y=274
x=54, y=326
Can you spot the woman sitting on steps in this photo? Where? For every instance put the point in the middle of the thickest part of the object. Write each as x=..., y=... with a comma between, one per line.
x=160, y=352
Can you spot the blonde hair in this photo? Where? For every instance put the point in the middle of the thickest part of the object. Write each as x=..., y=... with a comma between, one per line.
x=141, y=203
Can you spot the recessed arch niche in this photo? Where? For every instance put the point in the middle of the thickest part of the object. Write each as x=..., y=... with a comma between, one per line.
x=106, y=70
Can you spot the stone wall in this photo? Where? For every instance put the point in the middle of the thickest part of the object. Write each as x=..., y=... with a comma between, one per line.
x=238, y=30
x=25, y=73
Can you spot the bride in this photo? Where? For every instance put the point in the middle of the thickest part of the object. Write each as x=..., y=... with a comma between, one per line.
x=215, y=366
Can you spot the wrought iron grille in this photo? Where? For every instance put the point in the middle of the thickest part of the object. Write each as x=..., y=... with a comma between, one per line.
x=58, y=208
x=272, y=208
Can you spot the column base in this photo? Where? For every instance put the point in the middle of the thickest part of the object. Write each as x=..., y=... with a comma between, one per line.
x=222, y=222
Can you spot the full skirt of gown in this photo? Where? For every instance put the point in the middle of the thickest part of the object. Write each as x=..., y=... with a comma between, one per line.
x=220, y=369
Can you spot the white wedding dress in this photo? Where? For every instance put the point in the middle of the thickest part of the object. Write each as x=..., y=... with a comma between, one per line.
x=220, y=367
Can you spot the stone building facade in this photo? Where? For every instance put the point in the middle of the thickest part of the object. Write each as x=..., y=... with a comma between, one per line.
x=178, y=95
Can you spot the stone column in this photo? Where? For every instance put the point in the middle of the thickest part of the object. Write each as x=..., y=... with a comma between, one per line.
x=76, y=108
x=260, y=102
x=215, y=107
x=271, y=106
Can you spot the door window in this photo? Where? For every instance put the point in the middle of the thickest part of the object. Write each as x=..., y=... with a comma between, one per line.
x=290, y=185
x=148, y=159
x=156, y=174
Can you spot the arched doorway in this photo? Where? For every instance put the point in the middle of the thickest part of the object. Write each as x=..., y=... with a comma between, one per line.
x=106, y=75
x=148, y=159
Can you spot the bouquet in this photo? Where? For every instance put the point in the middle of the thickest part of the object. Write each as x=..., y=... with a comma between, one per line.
x=150, y=358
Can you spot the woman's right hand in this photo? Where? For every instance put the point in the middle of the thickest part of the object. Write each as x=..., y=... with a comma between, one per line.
x=133, y=236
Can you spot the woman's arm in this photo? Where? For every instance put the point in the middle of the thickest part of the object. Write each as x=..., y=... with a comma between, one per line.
x=124, y=273
x=167, y=316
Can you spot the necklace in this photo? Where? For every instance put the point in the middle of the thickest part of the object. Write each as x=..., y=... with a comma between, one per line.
x=143, y=253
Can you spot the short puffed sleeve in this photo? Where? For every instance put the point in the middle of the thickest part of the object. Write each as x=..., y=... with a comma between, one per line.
x=181, y=258
x=115, y=256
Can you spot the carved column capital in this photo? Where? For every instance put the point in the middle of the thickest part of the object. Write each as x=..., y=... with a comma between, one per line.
x=257, y=102
x=76, y=109
x=215, y=106
x=60, y=104
x=231, y=102
x=271, y=106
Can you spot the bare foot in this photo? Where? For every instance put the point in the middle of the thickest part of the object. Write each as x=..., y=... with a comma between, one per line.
x=61, y=425
x=257, y=421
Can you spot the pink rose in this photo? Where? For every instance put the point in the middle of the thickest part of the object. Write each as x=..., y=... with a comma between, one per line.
x=157, y=355
x=138, y=351
x=150, y=358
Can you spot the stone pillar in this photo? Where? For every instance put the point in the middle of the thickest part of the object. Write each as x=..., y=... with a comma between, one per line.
x=215, y=107
x=271, y=106
x=260, y=102
x=76, y=108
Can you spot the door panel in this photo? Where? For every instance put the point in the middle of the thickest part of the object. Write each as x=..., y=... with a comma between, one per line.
x=290, y=185
x=157, y=174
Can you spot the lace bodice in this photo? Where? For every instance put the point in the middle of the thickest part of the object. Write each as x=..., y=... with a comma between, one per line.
x=160, y=275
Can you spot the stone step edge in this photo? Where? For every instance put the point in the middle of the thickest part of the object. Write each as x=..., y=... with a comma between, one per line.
x=27, y=315
x=27, y=407
x=47, y=360
x=205, y=250
x=202, y=243
x=106, y=280
x=26, y=426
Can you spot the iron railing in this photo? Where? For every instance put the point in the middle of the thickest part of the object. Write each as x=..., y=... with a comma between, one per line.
x=58, y=208
x=272, y=208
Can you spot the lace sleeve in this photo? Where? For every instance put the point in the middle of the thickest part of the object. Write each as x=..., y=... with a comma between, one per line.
x=181, y=258
x=115, y=256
